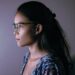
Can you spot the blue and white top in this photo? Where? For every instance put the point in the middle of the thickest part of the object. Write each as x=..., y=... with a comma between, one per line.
x=48, y=65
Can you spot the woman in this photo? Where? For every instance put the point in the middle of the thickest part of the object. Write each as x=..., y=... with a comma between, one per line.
x=35, y=26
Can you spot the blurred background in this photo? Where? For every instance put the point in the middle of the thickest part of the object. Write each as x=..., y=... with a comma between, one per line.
x=10, y=55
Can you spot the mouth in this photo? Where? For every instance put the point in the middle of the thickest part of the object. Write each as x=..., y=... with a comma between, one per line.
x=17, y=39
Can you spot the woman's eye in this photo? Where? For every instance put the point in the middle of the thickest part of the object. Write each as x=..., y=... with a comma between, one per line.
x=20, y=25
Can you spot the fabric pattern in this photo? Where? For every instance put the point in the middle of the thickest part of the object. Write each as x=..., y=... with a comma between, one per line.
x=48, y=65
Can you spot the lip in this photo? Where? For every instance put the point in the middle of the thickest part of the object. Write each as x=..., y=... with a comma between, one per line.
x=17, y=39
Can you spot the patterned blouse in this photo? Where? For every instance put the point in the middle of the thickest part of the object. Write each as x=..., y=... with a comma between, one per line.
x=48, y=65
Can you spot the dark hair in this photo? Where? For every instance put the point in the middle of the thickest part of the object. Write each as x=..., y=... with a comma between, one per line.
x=52, y=38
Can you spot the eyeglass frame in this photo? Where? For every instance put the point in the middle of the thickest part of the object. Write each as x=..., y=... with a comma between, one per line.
x=17, y=26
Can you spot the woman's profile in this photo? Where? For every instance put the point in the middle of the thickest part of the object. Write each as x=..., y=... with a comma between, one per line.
x=36, y=27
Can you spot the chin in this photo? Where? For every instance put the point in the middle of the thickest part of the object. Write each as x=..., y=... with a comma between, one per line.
x=21, y=45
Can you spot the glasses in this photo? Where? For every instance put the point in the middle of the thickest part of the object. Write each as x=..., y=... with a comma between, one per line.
x=20, y=25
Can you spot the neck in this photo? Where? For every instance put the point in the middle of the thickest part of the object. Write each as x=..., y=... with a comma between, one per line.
x=35, y=51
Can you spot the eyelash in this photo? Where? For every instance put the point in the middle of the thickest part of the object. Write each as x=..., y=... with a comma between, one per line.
x=18, y=26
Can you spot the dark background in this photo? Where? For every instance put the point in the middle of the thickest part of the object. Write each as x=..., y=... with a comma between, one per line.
x=10, y=55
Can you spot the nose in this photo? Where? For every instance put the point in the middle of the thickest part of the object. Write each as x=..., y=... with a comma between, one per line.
x=15, y=32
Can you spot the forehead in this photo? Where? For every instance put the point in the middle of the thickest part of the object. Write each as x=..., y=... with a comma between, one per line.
x=20, y=18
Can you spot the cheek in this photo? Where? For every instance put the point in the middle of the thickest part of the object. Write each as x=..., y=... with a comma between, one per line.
x=25, y=36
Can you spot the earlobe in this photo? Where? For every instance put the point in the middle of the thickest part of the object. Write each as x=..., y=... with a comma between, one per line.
x=39, y=28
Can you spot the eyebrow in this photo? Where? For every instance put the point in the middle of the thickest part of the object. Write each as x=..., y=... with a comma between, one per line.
x=22, y=23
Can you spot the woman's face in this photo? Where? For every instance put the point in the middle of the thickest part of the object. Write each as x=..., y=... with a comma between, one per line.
x=22, y=30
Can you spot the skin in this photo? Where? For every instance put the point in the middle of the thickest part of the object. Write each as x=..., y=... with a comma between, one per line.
x=23, y=38
x=23, y=34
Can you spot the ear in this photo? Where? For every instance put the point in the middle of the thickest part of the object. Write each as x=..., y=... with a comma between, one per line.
x=39, y=29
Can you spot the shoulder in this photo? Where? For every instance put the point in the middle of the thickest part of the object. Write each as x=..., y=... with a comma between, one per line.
x=51, y=64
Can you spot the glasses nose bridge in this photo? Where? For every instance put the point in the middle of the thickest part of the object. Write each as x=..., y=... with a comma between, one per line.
x=16, y=27
x=16, y=31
